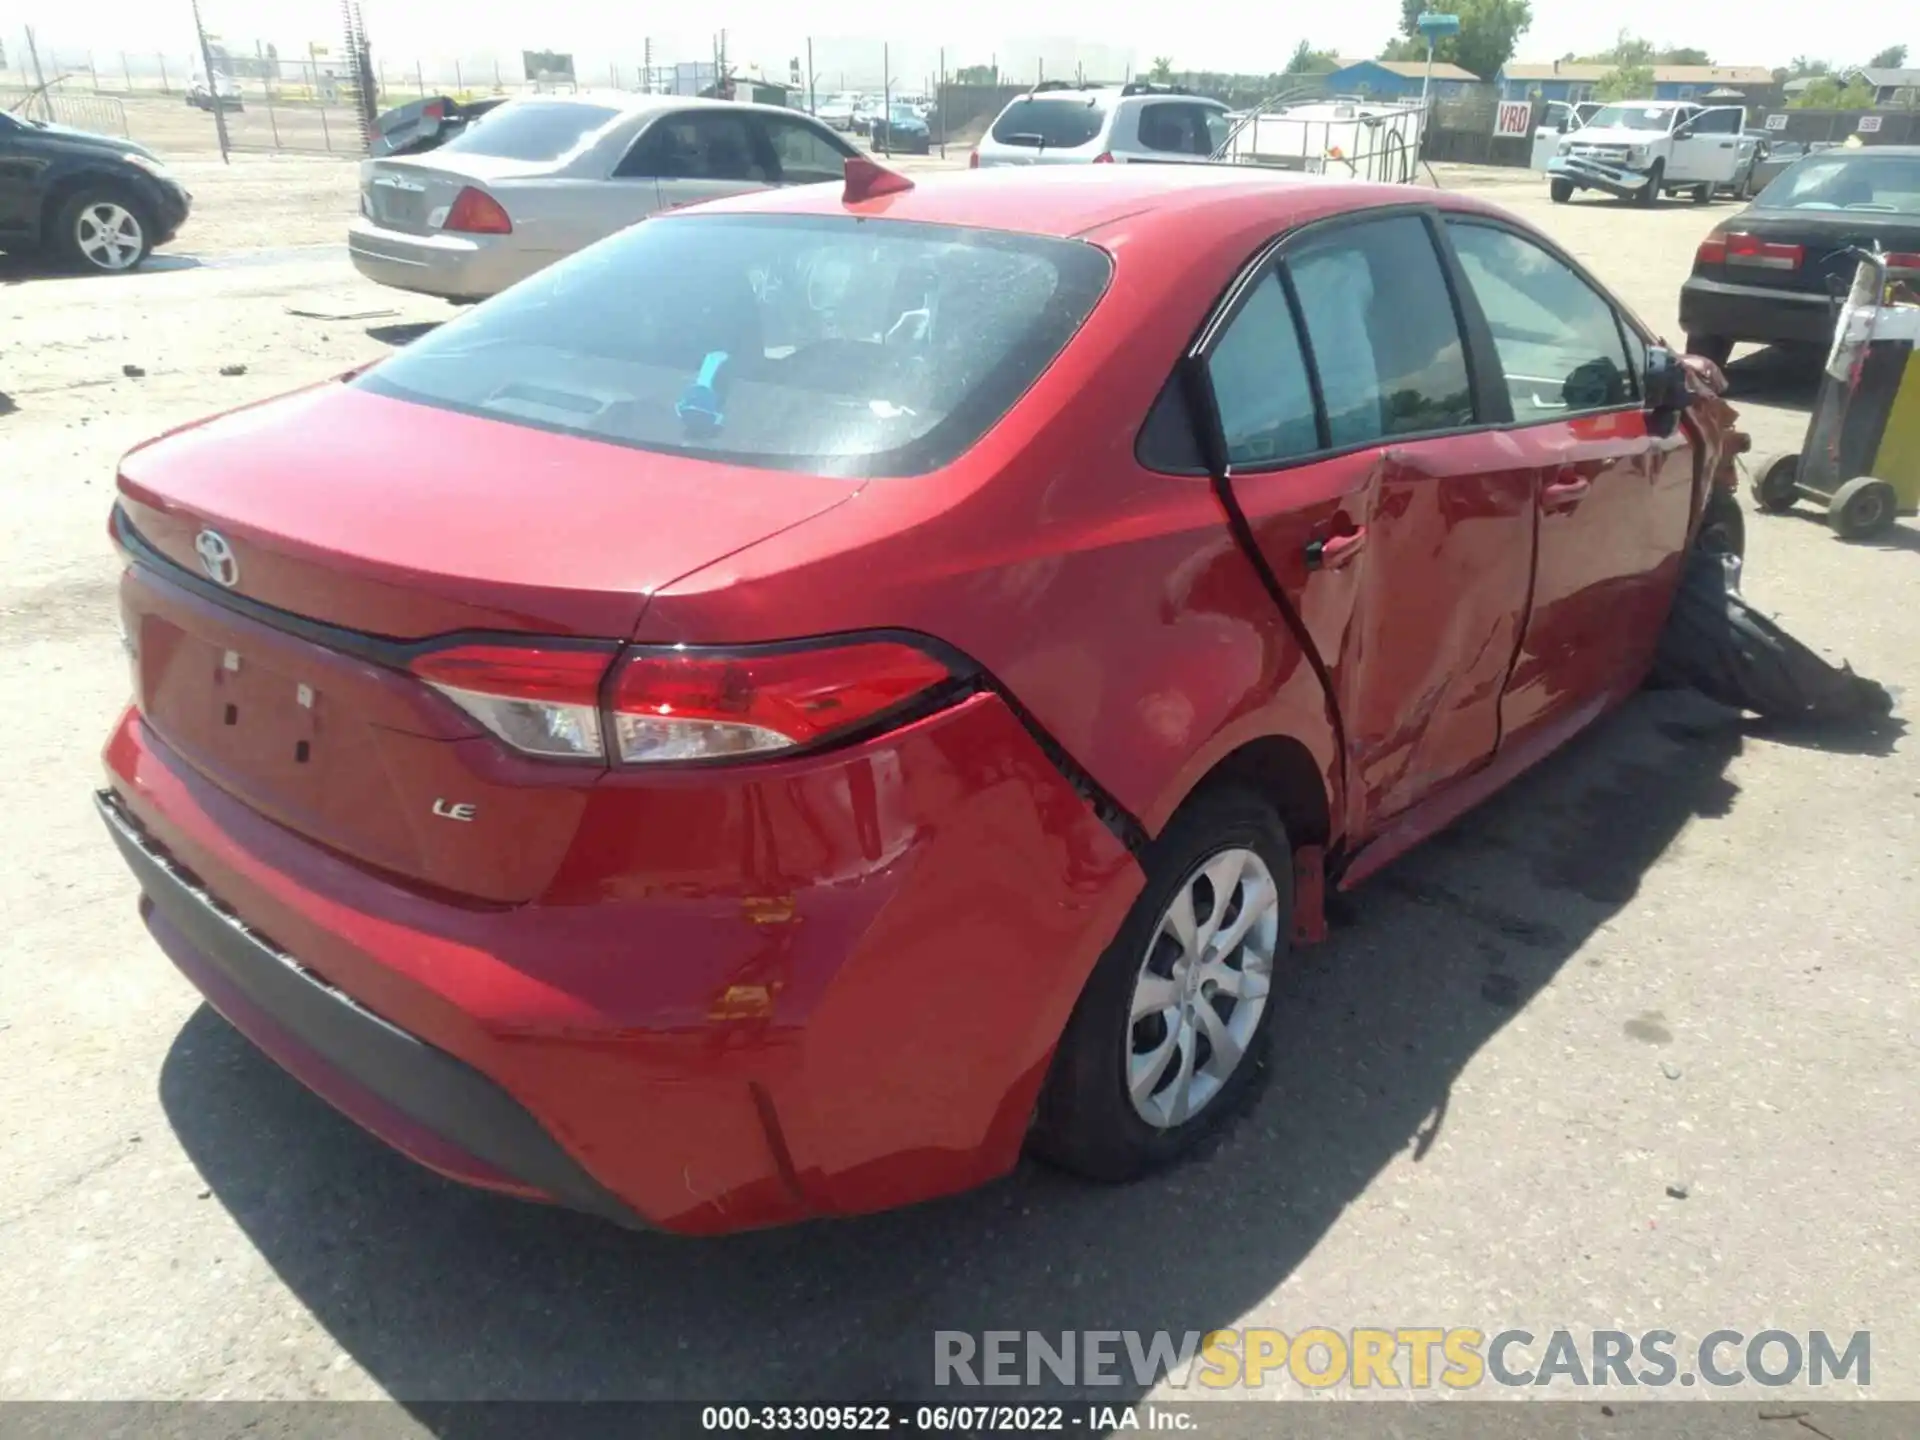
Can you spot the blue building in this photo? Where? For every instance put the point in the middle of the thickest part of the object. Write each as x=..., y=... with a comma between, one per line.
x=1573, y=81
x=1398, y=79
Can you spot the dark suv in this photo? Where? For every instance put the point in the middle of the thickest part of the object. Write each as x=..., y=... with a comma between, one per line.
x=93, y=202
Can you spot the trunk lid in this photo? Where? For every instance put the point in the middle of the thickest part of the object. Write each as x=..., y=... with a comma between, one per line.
x=406, y=194
x=351, y=524
x=1824, y=236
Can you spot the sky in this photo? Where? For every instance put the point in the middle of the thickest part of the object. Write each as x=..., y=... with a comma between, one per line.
x=1227, y=35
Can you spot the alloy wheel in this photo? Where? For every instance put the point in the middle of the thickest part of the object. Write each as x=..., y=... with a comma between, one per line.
x=1202, y=987
x=109, y=236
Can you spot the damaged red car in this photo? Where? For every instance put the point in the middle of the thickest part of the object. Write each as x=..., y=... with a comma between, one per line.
x=818, y=694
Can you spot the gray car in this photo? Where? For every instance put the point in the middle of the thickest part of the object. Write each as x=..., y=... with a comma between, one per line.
x=543, y=176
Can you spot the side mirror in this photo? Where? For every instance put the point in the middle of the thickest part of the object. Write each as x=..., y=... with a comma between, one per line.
x=1665, y=389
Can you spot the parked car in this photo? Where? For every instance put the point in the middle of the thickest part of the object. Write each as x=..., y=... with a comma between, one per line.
x=93, y=202
x=837, y=111
x=902, y=129
x=1641, y=149
x=1753, y=147
x=543, y=176
x=423, y=125
x=223, y=90
x=795, y=704
x=1774, y=158
x=1065, y=125
x=1775, y=272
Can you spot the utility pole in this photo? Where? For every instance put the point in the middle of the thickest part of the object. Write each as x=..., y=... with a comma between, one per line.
x=213, y=85
x=39, y=80
x=813, y=101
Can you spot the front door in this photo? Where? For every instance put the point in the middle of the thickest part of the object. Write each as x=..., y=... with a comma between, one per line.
x=1404, y=547
x=1707, y=147
x=696, y=155
x=1613, y=502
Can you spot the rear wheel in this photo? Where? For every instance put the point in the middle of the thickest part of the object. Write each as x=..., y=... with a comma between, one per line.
x=1710, y=347
x=1650, y=192
x=1862, y=508
x=1702, y=194
x=1170, y=1035
x=1772, y=484
x=1560, y=190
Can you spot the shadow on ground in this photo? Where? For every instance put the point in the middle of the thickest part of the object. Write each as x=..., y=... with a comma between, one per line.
x=1783, y=375
x=442, y=1293
x=402, y=334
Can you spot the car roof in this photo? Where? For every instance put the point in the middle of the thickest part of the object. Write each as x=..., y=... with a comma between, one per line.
x=631, y=102
x=1070, y=200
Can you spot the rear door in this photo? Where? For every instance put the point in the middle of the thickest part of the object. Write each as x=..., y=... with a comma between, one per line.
x=1176, y=131
x=1614, y=501
x=1707, y=147
x=1398, y=528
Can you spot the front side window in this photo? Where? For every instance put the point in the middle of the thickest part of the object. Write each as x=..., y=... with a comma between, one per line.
x=829, y=345
x=1557, y=339
x=1260, y=383
x=1175, y=129
x=1382, y=330
x=532, y=130
x=698, y=145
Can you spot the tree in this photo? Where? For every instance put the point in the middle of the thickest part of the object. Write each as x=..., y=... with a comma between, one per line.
x=1625, y=82
x=1830, y=93
x=1891, y=58
x=1683, y=55
x=977, y=75
x=1309, y=61
x=1489, y=29
x=1162, y=70
x=1804, y=65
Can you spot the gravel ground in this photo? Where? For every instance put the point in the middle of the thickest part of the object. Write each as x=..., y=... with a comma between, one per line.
x=1678, y=956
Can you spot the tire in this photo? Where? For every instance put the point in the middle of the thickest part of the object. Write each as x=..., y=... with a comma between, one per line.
x=1716, y=348
x=1862, y=508
x=104, y=229
x=1702, y=194
x=1649, y=195
x=1772, y=484
x=1560, y=190
x=1723, y=524
x=1089, y=1120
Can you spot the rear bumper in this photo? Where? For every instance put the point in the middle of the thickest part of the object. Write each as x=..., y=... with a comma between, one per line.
x=420, y=1100
x=824, y=986
x=453, y=267
x=1754, y=313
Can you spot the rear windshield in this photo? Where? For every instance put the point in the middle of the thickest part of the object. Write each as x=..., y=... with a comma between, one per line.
x=1888, y=184
x=1051, y=124
x=531, y=130
x=830, y=345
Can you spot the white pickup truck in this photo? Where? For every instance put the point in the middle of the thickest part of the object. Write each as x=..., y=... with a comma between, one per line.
x=1641, y=149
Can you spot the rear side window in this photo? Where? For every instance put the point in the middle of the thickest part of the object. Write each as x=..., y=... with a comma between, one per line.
x=1260, y=383
x=829, y=345
x=1381, y=326
x=1557, y=339
x=532, y=130
x=1178, y=129
x=806, y=156
x=1050, y=123
x=699, y=145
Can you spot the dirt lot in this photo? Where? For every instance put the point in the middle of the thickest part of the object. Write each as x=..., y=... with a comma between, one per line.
x=1680, y=955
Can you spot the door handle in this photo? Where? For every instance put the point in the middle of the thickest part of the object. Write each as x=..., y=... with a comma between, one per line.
x=1336, y=550
x=1565, y=492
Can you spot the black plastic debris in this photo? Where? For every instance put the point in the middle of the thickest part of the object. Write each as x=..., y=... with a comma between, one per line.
x=1718, y=644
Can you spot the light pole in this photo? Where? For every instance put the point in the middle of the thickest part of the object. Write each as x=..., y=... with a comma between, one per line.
x=1433, y=26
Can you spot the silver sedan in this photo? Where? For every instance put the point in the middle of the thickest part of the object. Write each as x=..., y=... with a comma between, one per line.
x=546, y=175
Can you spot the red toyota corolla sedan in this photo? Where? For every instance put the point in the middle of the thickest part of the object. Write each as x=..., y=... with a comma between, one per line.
x=817, y=693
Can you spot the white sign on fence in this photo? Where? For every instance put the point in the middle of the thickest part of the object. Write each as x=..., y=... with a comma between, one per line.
x=1776, y=122
x=1869, y=124
x=1514, y=117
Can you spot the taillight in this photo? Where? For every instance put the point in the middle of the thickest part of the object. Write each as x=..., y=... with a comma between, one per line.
x=973, y=160
x=1105, y=157
x=543, y=701
x=686, y=704
x=1903, y=260
x=434, y=110
x=678, y=703
x=1745, y=249
x=475, y=212
x=1713, y=250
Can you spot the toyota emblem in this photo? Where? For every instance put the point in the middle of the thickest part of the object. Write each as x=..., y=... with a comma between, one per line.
x=217, y=558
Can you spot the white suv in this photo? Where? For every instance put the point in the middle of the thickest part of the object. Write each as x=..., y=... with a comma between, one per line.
x=1060, y=124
